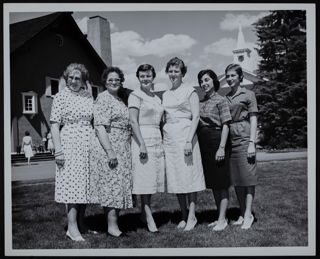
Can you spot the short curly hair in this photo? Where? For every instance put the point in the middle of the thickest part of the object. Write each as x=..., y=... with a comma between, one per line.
x=76, y=66
x=144, y=68
x=109, y=70
x=212, y=75
x=177, y=62
x=237, y=68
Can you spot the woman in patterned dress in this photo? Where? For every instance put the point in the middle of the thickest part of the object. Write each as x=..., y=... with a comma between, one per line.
x=213, y=133
x=243, y=128
x=184, y=170
x=72, y=109
x=146, y=146
x=110, y=159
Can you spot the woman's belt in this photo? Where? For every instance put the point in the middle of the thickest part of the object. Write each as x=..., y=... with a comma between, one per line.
x=150, y=126
x=176, y=119
x=210, y=126
x=122, y=128
x=84, y=123
x=239, y=121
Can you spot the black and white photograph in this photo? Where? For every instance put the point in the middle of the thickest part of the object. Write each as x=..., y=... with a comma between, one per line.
x=159, y=129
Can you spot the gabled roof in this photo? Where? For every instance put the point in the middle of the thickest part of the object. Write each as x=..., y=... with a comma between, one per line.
x=21, y=32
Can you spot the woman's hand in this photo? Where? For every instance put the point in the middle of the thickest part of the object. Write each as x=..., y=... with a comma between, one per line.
x=60, y=160
x=188, y=149
x=251, y=153
x=251, y=149
x=113, y=161
x=220, y=154
x=143, y=151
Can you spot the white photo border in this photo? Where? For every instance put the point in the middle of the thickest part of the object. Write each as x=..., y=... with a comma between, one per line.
x=311, y=105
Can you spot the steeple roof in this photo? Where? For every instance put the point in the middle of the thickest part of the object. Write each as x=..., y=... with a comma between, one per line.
x=241, y=44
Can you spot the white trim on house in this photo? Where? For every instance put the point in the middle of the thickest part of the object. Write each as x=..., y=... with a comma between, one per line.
x=29, y=102
x=49, y=86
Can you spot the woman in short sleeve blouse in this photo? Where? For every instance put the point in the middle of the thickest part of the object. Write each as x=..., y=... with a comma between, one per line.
x=148, y=167
x=213, y=130
x=243, y=128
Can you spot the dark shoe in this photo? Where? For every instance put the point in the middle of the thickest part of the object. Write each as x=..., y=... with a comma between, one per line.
x=84, y=229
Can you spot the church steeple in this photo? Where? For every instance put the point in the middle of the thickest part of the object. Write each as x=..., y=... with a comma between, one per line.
x=241, y=44
x=241, y=55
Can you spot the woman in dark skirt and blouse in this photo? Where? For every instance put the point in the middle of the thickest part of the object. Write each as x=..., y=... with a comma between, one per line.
x=214, y=145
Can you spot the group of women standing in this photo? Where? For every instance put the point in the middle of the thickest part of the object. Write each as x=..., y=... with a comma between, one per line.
x=124, y=151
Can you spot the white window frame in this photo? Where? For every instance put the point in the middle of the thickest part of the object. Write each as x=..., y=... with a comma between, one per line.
x=34, y=99
x=48, y=86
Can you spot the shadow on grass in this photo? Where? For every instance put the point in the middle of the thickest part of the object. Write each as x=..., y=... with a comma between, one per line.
x=132, y=222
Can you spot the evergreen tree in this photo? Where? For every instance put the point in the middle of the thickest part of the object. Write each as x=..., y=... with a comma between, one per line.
x=283, y=99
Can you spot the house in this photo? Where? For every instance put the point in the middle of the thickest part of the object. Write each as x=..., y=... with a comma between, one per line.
x=40, y=50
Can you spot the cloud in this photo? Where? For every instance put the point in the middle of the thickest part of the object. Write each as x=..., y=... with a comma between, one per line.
x=129, y=46
x=225, y=46
x=222, y=47
x=133, y=44
x=113, y=27
x=231, y=21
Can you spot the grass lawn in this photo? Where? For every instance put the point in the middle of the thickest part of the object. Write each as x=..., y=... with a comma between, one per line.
x=280, y=207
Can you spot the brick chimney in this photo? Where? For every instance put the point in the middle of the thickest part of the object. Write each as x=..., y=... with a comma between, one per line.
x=98, y=35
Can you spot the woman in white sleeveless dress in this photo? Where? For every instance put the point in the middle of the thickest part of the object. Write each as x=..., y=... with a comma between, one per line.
x=27, y=146
x=184, y=170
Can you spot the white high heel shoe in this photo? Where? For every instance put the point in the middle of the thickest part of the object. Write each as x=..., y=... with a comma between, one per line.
x=77, y=238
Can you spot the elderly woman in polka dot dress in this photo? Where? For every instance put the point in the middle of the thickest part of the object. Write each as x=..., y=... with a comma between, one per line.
x=72, y=109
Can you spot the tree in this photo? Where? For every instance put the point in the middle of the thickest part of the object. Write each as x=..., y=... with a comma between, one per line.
x=283, y=99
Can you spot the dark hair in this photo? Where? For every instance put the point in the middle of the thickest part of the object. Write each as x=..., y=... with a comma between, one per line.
x=236, y=68
x=177, y=62
x=144, y=68
x=76, y=66
x=122, y=93
x=109, y=70
x=212, y=75
x=27, y=133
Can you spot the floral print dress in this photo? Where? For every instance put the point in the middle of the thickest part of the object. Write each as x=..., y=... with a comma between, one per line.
x=73, y=110
x=111, y=187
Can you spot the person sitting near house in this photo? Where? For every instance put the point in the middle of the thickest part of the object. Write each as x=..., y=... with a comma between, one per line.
x=72, y=109
x=44, y=144
x=27, y=146
x=50, y=146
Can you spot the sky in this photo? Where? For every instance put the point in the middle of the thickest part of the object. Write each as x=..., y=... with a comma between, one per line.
x=202, y=39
